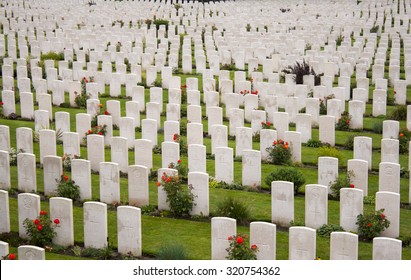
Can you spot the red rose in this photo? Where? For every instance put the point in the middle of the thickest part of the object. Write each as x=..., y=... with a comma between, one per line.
x=230, y=238
x=43, y=212
x=89, y=132
x=275, y=143
x=1, y=103
x=179, y=161
x=36, y=221
x=175, y=137
x=100, y=133
x=351, y=185
x=65, y=177
x=106, y=113
x=240, y=240
x=158, y=184
x=382, y=216
x=369, y=225
x=168, y=180
x=401, y=134
x=285, y=146
x=56, y=221
x=39, y=227
x=268, y=123
x=254, y=247
x=12, y=256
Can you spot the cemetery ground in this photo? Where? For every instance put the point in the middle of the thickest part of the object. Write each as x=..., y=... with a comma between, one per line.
x=160, y=229
x=195, y=233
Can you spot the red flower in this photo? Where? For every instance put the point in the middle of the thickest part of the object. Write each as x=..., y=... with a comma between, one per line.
x=347, y=121
x=43, y=212
x=56, y=221
x=168, y=180
x=382, y=216
x=369, y=225
x=175, y=136
x=263, y=123
x=254, y=247
x=185, y=86
x=36, y=221
x=275, y=143
x=39, y=227
x=179, y=161
x=65, y=177
x=1, y=103
x=352, y=186
x=12, y=257
x=230, y=238
x=158, y=184
x=100, y=105
x=240, y=240
x=395, y=92
x=106, y=113
x=285, y=146
x=100, y=133
x=241, y=92
x=268, y=123
x=89, y=132
x=401, y=134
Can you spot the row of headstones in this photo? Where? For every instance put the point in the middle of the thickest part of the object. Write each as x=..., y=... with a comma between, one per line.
x=302, y=242
x=95, y=222
x=224, y=156
x=302, y=239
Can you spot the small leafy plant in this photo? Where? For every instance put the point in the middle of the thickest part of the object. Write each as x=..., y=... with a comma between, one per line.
x=266, y=125
x=233, y=208
x=343, y=122
x=326, y=230
x=404, y=138
x=98, y=129
x=179, y=197
x=343, y=181
x=41, y=231
x=180, y=167
x=279, y=153
x=371, y=225
x=67, y=188
x=67, y=158
x=239, y=250
x=183, y=145
x=301, y=69
x=287, y=174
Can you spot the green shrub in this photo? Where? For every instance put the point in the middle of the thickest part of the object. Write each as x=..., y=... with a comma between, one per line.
x=374, y=29
x=67, y=188
x=173, y=251
x=399, y=113
x=312, y=143
x=239, y=249
x=279, y=153
x=404, y=138
x=349, y=142
x=179, y=196
x=343, y=181
x=41, y=230
x=371, y=225
x=52, y=56
x=233, y=208
x=159, y=22
x=377, y=127
x=287, y=174
x=328, y=151
x=343, y=123
x=326, y=230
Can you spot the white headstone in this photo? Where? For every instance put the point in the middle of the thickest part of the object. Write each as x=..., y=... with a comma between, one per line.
x=28, y=208
x=62, y=209
x=351, y=205
x=95, y=225
x=95, y=151
x=316, y=205
x=109, y=183
x=263, y=235
x=26, y=172
x=221, y=229
x=138, y=194
x=52, y=169
x=198, y=181
x=302, y=243
x=29, y=252
x=129, y=230
x=251, y=166
x=384, y=248
x=4, y=212
x=390, y=202
x=343, y=246
x=282, y=203
x=81, y=175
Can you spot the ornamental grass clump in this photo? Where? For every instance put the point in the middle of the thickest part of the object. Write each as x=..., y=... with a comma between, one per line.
x=41, y=230
x=287, y=174
x=239, y=250
x=371, y=225
x=279, y=153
